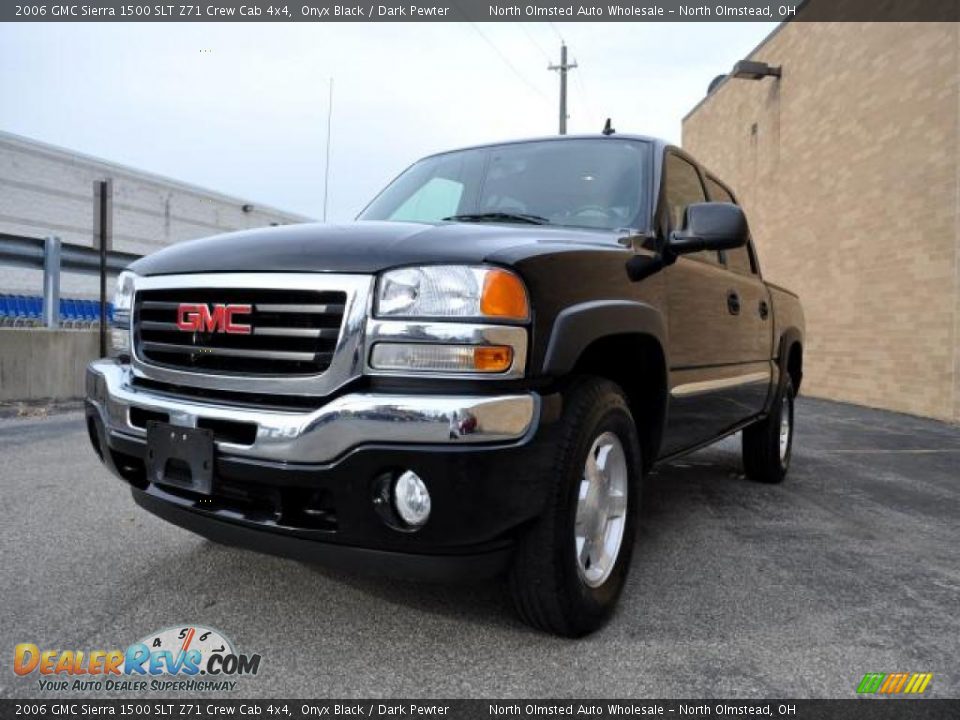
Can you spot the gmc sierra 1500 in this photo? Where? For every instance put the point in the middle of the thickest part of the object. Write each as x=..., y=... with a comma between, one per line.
x=472, y=378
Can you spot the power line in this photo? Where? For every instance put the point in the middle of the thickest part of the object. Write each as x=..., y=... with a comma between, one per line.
x=587, y=100
x=533, y=40
x=557, y=32
x=506, y=61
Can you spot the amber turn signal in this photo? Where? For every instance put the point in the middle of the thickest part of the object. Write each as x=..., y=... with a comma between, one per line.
x=424, y=357
x=496, y=358
x=504, y=296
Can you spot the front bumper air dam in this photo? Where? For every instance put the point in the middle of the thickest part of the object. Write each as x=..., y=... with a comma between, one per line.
x=346, y=558
x=482, y=457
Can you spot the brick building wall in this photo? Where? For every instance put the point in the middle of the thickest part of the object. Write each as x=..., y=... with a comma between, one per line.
x=46, y=190
x=849, y=169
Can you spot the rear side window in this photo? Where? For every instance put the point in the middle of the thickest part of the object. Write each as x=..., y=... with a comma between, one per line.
x=683, y=188
x=738, y=259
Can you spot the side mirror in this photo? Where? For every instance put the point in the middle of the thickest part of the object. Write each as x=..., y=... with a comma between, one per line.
x=710, y=226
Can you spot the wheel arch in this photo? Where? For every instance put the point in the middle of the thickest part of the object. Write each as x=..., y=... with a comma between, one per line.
x=624, y=342
x=790, y=357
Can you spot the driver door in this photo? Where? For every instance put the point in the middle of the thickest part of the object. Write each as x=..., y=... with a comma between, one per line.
x=702, y=325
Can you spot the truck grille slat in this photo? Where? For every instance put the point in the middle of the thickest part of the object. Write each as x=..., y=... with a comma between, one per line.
x=230, y=352
x=319, y=309
x=327, y=333
x=283, y=332
x=154, y=305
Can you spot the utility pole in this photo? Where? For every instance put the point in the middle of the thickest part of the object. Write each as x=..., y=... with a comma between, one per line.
x=563, y=67
x=326, y=170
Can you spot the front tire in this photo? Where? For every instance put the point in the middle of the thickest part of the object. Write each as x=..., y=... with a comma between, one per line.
x=768, y=444
x=572, y=563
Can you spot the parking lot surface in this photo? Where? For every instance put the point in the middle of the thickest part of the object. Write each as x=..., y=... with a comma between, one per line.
x=737, y=589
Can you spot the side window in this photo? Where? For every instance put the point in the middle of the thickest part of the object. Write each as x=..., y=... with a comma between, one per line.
x=718, y=193
x=683, y=188
x=436, y=199
x=738, y=259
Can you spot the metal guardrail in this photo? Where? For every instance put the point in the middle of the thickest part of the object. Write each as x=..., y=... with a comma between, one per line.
x=53, y=257
x=31, y=252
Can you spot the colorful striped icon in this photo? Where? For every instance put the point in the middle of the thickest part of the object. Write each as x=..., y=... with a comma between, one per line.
x=894, y=683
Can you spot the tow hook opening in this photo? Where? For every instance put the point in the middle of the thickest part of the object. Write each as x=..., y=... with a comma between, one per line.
x=317, y=511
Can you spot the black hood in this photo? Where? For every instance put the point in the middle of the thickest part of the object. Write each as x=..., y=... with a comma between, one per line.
x=361, y=247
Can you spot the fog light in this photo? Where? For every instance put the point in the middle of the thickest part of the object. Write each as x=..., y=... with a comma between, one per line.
x=412, y=499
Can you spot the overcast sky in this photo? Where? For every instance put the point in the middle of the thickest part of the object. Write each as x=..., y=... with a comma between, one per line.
x=242, y=108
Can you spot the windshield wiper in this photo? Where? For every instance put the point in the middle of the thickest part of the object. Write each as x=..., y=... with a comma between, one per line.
x=499, y=216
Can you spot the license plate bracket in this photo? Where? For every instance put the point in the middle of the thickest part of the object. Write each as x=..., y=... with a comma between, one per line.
x=181, y=457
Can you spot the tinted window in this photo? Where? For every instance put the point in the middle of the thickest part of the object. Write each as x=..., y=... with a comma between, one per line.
x=435, y=199
x=737, y=260
x=580, y=183
x=718, y=192
x=684, y=188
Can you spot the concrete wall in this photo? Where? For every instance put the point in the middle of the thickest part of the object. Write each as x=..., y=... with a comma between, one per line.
x=38, y=364
x=849, y=169
x=48, y=190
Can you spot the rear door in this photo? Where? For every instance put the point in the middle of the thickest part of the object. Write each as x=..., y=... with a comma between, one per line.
x=752, y=336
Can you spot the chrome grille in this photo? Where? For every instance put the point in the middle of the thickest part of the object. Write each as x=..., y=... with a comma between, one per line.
x=292, y=332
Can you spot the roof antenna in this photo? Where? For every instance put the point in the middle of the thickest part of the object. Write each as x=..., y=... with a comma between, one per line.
x=608, y=128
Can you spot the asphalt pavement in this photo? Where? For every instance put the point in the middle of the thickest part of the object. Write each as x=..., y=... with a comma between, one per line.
x=737, y=589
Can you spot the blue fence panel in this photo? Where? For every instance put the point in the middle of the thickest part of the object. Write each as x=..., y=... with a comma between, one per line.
x=24, y=310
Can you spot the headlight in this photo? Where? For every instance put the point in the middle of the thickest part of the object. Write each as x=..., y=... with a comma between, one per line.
x=452, y=291
x=122, y=305
x=123, y=295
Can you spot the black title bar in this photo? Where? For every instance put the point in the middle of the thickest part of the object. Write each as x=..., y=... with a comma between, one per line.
x=479, y=11
x=185, y=709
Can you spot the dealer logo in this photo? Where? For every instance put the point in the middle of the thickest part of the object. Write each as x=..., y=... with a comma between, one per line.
x=184, y=652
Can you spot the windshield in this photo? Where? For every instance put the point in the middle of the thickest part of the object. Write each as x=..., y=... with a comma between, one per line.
x=590, y=183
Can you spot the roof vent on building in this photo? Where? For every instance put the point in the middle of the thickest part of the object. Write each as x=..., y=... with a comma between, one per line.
x=715, y=83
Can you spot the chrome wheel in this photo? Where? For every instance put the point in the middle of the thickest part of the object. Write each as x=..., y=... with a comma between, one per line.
x=601, y=509
x=786, y=427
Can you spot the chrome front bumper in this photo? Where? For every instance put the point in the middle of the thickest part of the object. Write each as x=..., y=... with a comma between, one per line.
x=323, y=434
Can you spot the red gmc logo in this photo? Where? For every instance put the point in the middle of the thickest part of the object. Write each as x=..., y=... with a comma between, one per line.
x=200, y=317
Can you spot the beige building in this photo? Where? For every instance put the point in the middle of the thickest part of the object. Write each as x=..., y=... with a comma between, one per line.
x=47, y=190
x=849, y=168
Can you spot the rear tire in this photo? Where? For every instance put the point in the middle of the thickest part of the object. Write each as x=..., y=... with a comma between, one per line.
x=571, y=565
x=768, y=443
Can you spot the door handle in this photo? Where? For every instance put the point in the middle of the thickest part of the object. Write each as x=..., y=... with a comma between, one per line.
x=764, y=310
x=733, y=302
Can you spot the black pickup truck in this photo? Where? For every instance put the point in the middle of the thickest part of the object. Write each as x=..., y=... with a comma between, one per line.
x=471, y=379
